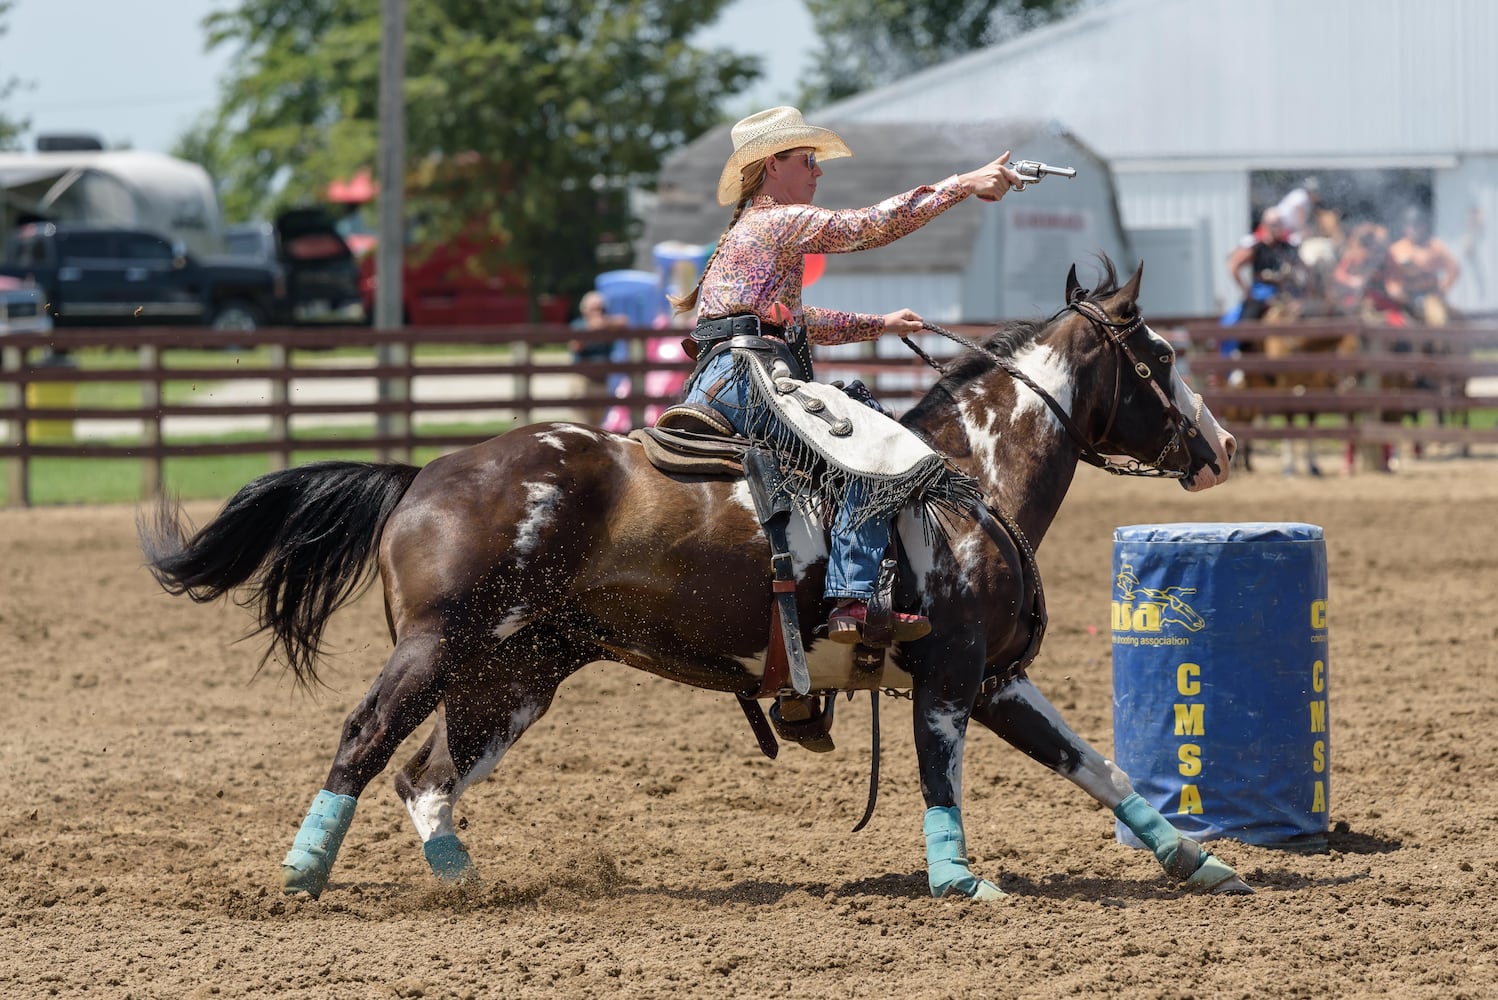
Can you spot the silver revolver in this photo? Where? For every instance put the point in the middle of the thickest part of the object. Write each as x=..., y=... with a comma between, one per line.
x=1033, y=171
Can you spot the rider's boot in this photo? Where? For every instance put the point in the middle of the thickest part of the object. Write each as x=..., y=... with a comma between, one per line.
x=845, y=624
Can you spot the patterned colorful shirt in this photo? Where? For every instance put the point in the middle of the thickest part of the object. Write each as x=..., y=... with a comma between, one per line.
x=759, y=265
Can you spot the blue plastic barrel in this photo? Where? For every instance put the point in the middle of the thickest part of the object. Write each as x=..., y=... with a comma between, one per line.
x=1220, y=678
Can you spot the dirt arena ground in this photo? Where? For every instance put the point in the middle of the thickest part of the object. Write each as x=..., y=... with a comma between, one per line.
x=636, y=844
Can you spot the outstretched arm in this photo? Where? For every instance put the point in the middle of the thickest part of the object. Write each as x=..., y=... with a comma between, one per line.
x=821, y=230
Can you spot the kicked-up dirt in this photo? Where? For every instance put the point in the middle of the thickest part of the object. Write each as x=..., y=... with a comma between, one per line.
x=635, y=843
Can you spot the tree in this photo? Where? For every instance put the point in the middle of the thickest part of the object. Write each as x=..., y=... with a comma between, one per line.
x=528, y=117
x=10, y=128
x=869, y=43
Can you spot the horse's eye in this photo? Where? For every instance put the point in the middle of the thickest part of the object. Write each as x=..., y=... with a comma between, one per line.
x=1166, y=359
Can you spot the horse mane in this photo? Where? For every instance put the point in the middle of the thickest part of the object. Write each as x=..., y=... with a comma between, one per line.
x=1004, y=342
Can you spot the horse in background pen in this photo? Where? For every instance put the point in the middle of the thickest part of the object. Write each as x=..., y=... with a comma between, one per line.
x=1307, y=290
x=1332, y=342
x=508, y=566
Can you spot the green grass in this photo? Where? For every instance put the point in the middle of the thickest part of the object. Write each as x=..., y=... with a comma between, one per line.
x=1482, y=419
x=119, y=480
x=105, y=359
x=111, y=480
x=1477, y=419
x=126, y=395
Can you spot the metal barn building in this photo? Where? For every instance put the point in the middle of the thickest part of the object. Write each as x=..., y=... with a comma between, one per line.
x=1209, y=110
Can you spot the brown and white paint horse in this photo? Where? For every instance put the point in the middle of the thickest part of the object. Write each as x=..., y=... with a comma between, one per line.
x=509, y=565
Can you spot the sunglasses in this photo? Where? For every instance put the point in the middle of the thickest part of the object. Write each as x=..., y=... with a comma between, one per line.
x=811, y=159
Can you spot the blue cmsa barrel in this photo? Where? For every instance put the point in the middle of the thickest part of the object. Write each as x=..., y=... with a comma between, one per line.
x=1220, y=678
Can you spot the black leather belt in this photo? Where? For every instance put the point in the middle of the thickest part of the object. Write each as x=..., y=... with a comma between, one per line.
x=710, y=330
x=770, y=345
x=774, y=344
x=713, y=336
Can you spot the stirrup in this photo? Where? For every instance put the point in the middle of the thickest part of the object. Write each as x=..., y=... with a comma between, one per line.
x=809, y=732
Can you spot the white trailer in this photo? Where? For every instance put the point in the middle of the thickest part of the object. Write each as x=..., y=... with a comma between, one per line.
x=128, y=188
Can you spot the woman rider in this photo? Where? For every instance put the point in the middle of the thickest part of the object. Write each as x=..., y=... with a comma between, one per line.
x=756, y=273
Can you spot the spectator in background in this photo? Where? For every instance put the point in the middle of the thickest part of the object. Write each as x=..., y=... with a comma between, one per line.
x=1320, y=251
x=1297, y=210
x=1357, y=281
x=679, y=281
x=1420, y=270
x=1264, y=266
x=593, y=314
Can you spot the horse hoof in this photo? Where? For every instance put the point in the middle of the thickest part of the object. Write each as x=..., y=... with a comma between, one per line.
x=1231, y=886
x=311, y=880
x=987, y=890
x=1218, y=879
x=448, y=858
x=974, y=888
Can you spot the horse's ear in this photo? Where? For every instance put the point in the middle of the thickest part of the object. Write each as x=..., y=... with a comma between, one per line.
x=1131, y=287
x=1073, y=286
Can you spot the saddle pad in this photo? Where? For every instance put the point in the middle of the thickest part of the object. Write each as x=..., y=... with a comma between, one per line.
x=692, y=453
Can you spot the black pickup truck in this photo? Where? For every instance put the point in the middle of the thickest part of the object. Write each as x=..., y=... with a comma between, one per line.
x=97, y=276
x=321, y=275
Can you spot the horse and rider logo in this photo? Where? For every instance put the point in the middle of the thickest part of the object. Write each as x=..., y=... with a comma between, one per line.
x=1146, y=609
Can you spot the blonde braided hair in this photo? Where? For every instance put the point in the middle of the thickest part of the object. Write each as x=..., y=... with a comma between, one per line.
x=753, y=177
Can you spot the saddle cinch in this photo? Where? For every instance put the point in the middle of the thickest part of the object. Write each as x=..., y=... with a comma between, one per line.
x=694, y=439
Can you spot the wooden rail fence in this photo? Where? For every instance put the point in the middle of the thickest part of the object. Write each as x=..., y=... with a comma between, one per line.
x=518, y=381
x=1366, y=390
x=1362, y=397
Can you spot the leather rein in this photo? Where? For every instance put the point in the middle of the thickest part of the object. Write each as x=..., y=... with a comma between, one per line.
x=1117, y=334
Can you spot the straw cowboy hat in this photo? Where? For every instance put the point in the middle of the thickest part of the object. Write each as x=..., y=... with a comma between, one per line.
x=767, y=133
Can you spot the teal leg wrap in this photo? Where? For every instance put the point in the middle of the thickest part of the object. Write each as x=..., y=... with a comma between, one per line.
x=310, y=860
x=448, y=857
x=1182, y=858
x=946, y=857
x=1146, y=823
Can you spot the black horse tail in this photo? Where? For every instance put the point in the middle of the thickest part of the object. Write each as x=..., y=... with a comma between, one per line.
x=299, y=541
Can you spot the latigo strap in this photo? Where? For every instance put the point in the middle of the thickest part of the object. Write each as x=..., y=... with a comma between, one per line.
x=772, y=504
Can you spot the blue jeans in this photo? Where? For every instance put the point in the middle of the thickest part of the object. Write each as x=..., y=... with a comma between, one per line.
x=854, y=553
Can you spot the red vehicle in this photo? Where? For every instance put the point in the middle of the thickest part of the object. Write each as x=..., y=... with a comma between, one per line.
x=448, y=285
x=443, y=284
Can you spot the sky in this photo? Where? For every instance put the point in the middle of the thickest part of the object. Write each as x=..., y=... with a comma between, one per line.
x=135, y=71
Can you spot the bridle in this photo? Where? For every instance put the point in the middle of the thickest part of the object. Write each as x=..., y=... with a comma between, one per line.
x=1116, y=333
x=1181, y=427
